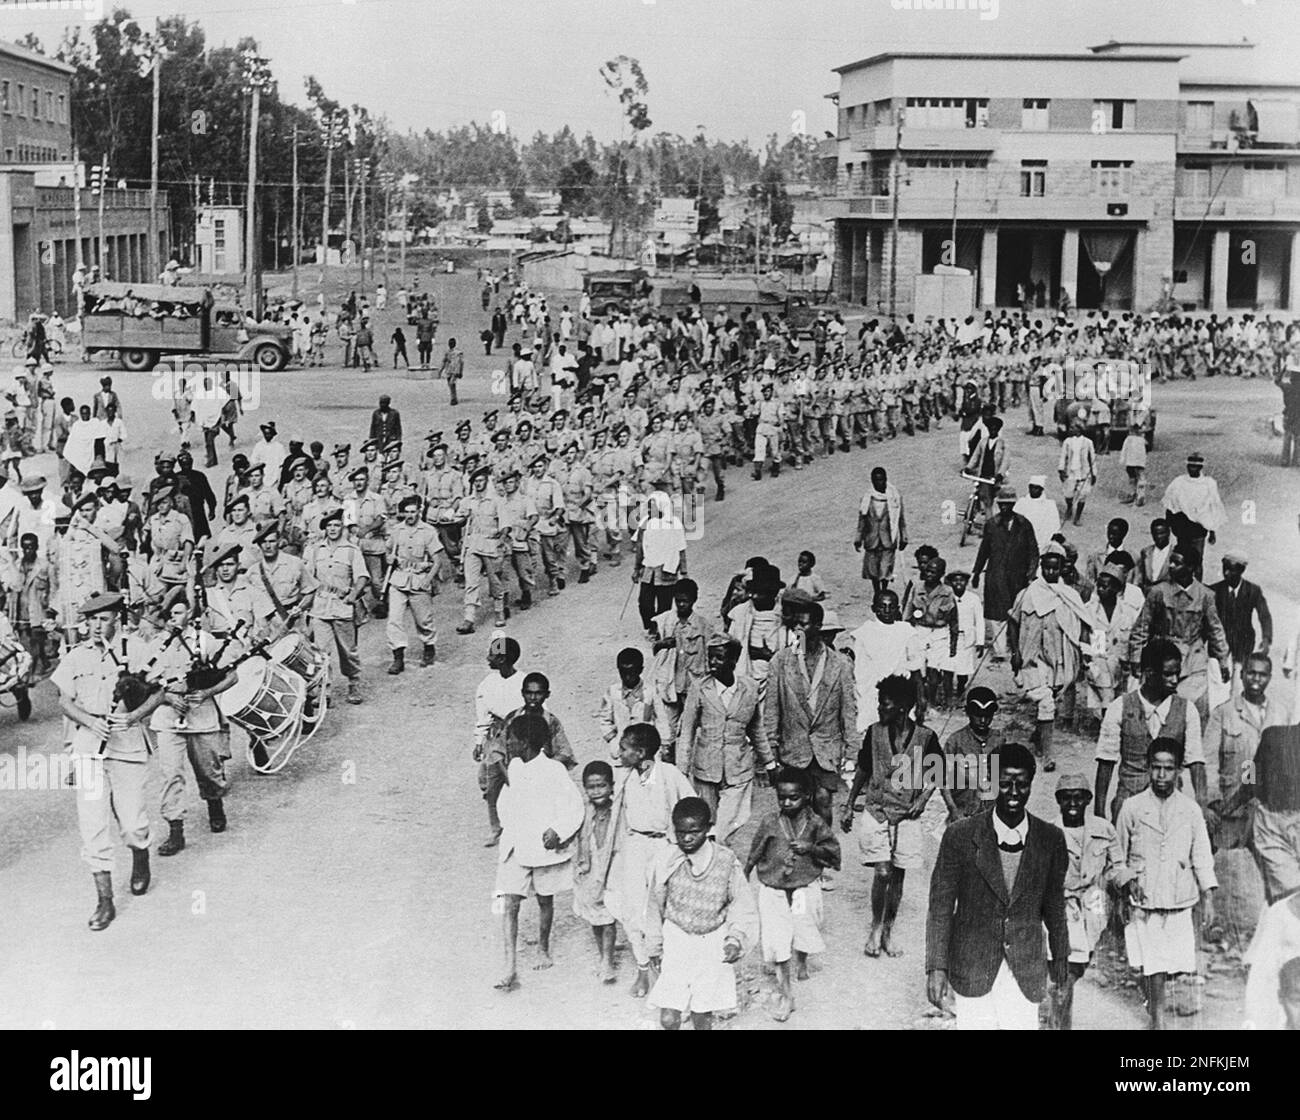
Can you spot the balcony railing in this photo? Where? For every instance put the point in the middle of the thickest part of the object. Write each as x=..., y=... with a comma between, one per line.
x=1241, y=209
x=925, y=139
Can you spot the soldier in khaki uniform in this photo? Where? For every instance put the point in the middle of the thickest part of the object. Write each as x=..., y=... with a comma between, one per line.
x=230, y=601
x=482, y=550
x=518, y=518
x=340, y=573
x=339, y=474
x=366, y=516
x=240, y=530
x=579, y=492
x=110, y=746
x=282, y=589
x=549, y=538
x=264, y=500
x=414, y=557
x=171, y=538
x=442, y=489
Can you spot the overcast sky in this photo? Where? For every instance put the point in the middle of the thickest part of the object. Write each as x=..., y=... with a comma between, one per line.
x=740, y=68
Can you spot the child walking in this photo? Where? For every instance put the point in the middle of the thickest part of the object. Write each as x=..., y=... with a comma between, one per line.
x=596, y=841
x=1133, y=458
x=700, y=920
x=807, y=579
x=791, y=849
x=541, y=811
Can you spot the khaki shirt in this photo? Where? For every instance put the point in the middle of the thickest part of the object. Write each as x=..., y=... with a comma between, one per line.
x=337, y=567
x=228, y=605
x=358, y=512
x=413, y=552
x=242, y=535
x=483, y=524
x=289, y=579
x=442, y=489
x=87, y=675
x=169, y=533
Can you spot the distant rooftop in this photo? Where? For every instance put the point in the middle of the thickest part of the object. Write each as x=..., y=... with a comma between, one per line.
x=13, y=50
x=1121, y=44
x=1004, y=56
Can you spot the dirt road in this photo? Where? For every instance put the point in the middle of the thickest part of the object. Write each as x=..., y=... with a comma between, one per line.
x=352, y=890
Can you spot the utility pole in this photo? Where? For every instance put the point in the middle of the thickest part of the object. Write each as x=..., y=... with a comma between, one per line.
x=332, y=126
x=403, y=246
x=297, y=249
x=257, y=77
x=76, y=209
x=363, y=168
x=100, y=172
x=893, y=232
x=956, y=184
x=150, y=52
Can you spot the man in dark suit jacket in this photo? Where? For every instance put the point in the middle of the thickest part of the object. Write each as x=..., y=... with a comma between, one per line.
x=1237, y=601
x=998, y=881
x=385, y=422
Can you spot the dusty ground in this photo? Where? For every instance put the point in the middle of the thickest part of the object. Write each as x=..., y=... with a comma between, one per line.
x=352, y=889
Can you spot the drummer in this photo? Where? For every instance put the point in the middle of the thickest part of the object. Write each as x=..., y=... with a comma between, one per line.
x=414, y=558
x=282, y=589
x=340, y=572
x=188, y=722
x=230, y=599
x=110, y=746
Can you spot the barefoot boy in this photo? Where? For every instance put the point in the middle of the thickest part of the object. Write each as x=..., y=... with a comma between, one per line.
x=541, y=811
x=596, y=845
x=700, y=919
x=791, y=848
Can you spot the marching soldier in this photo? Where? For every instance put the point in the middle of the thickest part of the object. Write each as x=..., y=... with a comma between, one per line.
x=464, y=447
x=323, y=500
x=374, y=469
x=366, y=515
x=579, y=492
x=264, y=500
x=282, y=588
x=414, y=557
x=395, y=487
x=339, y=485
x=230, y=600
x=171, y=538
x=443, y=487
x=188, y=722
x=482, y=557
x=340, y=572
x=518, y=518
x=111, y=750
x=240, y=530
x=549, y=538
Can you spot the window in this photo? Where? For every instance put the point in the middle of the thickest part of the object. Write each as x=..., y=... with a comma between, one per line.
x=1114, y=116
x=63, y=109
x=219, y=245
x=1033, y=178
x=36, y=104
x=1112, y=178
x=1264, y=180
x=1199, y=117
x=49, y=106
x=1033, y=114
x=22, y=100
x=4, y=98
x=947, y=112
x=1196, y=180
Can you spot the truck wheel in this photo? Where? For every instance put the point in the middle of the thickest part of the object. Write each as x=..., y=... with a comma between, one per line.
x=139, y=361
x=269, y=359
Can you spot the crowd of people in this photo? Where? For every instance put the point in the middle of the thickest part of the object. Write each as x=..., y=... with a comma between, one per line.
x=611, y=430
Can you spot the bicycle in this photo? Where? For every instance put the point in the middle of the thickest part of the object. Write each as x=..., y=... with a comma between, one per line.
x=22, y=347
x=974, y=506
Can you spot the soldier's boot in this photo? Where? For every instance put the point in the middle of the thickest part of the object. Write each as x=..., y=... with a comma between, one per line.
x=354, y=692
x=259, y=753
x=466, y=627
x=175, y=841
x=430, y=655
x=24, y=703
x=758, y=472
x=1078, y=513
x=776, y=470
x=216, y=815
x=722, y=491
x=140, y=870
x=104, y=911
x=399, y=662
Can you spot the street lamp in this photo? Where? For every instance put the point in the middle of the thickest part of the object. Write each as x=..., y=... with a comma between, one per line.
x=256, y=81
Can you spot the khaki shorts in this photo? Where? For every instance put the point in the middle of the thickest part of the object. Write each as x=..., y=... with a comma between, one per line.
x=901, y=844
x=514, y=878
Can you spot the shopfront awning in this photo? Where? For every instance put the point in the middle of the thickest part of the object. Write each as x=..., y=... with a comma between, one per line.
x=1276, y=122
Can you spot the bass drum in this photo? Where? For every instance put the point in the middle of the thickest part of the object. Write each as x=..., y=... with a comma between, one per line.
x=298, y=655
x=266, y=700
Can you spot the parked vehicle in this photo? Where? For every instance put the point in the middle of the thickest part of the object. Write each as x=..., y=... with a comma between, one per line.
x=140, y=322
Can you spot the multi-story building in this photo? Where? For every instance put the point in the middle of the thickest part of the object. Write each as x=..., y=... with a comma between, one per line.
x=1122, y=176
x=49, y=222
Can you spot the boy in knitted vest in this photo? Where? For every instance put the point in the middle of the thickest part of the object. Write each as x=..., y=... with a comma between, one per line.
x=700, y=919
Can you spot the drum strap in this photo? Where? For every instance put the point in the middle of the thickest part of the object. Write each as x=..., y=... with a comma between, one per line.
x=275, y=599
